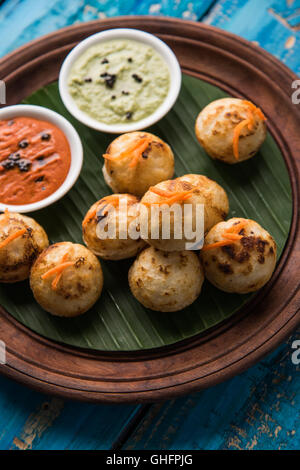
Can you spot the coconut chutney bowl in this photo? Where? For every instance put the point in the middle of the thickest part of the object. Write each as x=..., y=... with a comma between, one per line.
x=120, y=80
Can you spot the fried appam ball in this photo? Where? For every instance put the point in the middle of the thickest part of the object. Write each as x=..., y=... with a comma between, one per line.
x=215, y=200
x=21, y=240
x=164, y=281
x=66, y=279
x=135, y=161
x=245, y=264
x=231, y=130
x=202, y=190
x=125, y=214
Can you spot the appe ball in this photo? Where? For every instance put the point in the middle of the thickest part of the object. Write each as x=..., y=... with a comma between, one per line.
x=189, y=190
x=238, y=256
x=135, y=161
x=21, y=240
x=164, y=281
x=231, y=130
x=125, y=210
x=214, y=198
x=66, y=279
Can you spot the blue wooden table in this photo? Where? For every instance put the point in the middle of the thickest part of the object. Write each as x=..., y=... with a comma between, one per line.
x=256, y=410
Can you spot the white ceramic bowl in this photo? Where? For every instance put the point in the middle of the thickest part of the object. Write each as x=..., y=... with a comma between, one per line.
x=121, y=33
x=45, y=114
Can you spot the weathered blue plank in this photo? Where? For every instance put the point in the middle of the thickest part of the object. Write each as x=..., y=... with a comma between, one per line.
x=30, y=420
x=256, y=410
x=272, y=24
x=24, y=20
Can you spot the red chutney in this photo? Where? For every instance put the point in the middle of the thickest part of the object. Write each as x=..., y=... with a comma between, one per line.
x=35, y=158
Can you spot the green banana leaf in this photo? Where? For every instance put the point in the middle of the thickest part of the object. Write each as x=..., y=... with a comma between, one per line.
x=258, y=189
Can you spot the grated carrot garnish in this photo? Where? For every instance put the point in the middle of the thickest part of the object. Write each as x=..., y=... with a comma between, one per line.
x=57, y=269
x=89, y=216
x=174, y=197
x=216, y=245
x=12, y=237
x=138, y=152
x=182, y=196
x=6, y=214
x=160, y=192
x=58, y=276
x=113, y=199
x=107, y=156
x=252, y=109
x=230, y=234
x=255, y=109
x=237, y=227
x=236, y=136
x=135, y=151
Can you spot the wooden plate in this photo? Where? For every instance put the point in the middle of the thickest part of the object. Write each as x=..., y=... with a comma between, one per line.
x=240, y=69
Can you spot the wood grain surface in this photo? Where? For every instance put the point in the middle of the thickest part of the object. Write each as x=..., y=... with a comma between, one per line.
x=257, y=409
